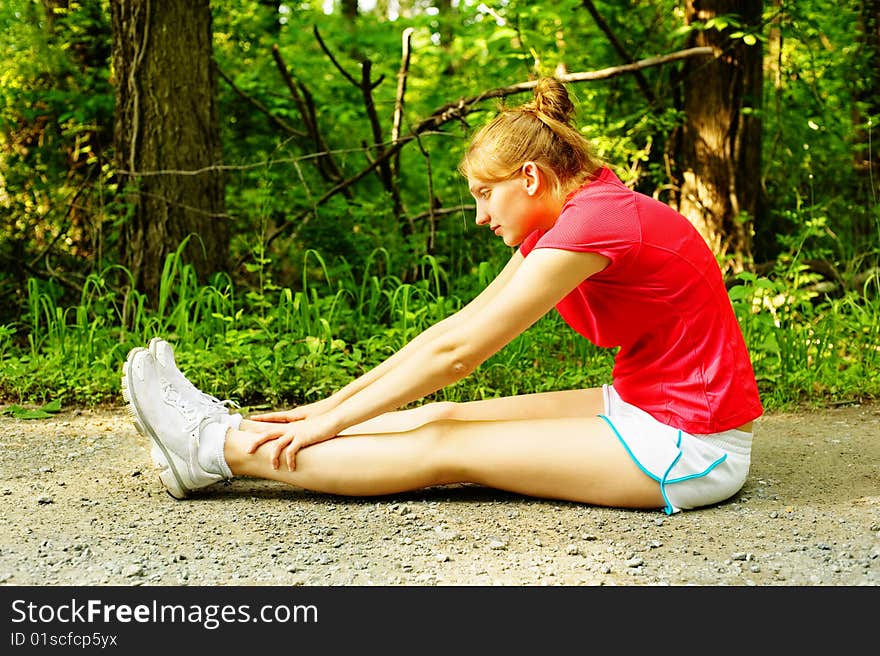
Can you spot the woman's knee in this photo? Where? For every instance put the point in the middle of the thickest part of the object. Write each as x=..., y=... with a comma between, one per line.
x=445, y=453
x=438, y=411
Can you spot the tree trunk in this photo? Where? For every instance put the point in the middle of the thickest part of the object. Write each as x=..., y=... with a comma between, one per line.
x=349, y=9
x=446, y=20
x=272, y=9
x=867, y=96
x=720, y=149
x=51, y=7
x=166, y=129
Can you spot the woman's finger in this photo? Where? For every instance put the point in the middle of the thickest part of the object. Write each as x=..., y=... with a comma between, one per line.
x=281, y=416
x=298, y=443
x=278, y=447
x=291, y=455
x=262, y=427
x=261, y=438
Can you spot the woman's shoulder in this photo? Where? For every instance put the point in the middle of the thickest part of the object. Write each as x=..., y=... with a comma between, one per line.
x=602, y=175
x=604, y=188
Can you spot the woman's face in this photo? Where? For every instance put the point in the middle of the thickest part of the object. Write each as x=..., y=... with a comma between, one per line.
x=513, y=208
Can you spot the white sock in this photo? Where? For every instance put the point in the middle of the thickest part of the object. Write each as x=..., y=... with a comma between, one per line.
x=234, y=420
x=211, y=443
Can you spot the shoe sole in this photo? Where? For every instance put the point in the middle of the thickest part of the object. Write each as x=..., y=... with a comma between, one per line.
x=168, y=474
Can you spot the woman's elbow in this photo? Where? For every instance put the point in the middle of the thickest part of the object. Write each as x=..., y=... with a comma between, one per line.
x=460, y=368
x=456, y=361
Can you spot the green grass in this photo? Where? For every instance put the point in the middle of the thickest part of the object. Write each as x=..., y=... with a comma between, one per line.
x=273, y=345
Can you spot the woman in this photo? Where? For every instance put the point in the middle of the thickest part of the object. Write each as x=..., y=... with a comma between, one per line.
x=673, y=430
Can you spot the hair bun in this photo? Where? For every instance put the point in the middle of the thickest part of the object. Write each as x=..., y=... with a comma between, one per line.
x=552, y=100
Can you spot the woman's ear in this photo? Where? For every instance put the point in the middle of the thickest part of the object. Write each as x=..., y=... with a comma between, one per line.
x=531, y=177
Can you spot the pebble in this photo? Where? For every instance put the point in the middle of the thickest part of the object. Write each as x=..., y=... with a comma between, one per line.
x=132, y=571
x=247, y=533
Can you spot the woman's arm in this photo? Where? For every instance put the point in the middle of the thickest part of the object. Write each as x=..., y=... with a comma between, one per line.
x=537, y=405
x=426, y=336
x=536, y=285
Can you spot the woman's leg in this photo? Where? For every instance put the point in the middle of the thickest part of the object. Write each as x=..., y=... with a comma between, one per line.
x=569, y=458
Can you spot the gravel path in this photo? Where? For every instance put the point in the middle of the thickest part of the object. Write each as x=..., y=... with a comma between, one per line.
x=82, y=506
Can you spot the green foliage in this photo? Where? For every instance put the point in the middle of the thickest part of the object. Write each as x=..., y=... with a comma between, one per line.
x=320, y=290
x=56, y=117
x=44, y=412
x=810, y=341
x=811, y=123
x=275, y=345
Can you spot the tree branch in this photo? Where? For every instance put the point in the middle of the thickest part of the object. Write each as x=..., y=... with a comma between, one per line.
x=278, y=122
x=459, y=109
x=587, y=76
x=444, y=211
x=375, y=126
x=303, y=99
x=337, y=64
x=621, y=50
x=401, y=84
x=396, y=121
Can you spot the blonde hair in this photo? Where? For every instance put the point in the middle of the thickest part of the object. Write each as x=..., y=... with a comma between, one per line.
x=539, y=131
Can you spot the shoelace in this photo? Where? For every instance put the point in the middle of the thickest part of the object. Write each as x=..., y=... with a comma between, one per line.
x=196, y=417
x=214, y=405
x=213, y=400
x=172, y=396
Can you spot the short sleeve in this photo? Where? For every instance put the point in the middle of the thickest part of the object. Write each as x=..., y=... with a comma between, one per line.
x=529, y=243
x=600, y=221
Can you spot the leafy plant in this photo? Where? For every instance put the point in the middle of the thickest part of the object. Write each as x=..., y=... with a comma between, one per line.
x=44, y=412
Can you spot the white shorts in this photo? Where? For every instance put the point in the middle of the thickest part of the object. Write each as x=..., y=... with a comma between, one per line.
x=693, y=470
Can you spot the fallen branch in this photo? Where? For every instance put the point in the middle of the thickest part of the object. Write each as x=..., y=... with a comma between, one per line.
x=455, y=109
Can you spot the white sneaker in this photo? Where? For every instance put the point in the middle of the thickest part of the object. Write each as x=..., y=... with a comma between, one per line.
x=170, y=421
x=163, y=353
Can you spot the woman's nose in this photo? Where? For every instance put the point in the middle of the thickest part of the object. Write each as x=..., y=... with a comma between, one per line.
x=482, y=217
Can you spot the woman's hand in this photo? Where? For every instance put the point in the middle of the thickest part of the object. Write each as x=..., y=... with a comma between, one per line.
x=296, y=414
x=292, y=436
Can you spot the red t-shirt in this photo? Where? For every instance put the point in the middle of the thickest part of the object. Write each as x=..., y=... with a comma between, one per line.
x=662, y=300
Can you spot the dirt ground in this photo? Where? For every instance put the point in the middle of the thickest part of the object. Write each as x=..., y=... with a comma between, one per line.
x=82, y=506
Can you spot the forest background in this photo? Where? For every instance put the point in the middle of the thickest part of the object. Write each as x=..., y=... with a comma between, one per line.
x=272, y=186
